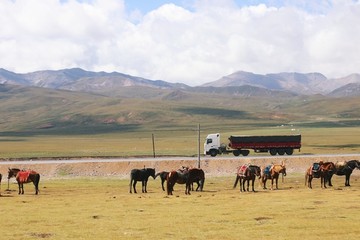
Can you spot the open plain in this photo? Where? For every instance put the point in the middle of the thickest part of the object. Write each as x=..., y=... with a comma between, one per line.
x=90, y=199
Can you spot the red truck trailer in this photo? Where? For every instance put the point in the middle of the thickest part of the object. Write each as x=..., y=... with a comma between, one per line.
x=240, y=145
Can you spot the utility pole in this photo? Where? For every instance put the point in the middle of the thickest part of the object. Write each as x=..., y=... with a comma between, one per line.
x=153, y=144
x=199, y=145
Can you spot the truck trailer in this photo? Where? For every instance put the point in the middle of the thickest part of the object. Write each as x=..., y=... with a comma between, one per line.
x=241, y=145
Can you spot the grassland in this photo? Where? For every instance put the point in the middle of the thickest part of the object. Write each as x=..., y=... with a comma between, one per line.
x=180, y=142
x=102, y=208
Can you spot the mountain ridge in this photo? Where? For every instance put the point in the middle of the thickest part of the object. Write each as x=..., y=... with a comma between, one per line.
x=77, y=79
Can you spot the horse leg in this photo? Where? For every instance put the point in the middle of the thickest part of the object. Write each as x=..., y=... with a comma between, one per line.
x=36, y=183
x=162, y=184
x=131, y=180
x=19, y=184
x=276, y=181
x=264, y=179
x=347, y=180
x=248, y=184
x=134, y=186
x=252, y=184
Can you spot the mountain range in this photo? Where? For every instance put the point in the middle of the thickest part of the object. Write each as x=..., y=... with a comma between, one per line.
x=77, y=79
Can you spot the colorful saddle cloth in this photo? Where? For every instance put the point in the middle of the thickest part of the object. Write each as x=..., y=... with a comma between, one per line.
x=242, y=169
x=267, y=170
x=23, y=176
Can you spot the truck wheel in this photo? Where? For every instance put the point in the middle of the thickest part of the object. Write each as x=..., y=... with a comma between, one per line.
x=281, y=151
x=273, y=151
x=245, y=152
x=289, y=151
x=213, y=152
x=236, y=153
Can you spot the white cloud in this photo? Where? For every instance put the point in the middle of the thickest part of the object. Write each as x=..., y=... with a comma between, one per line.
x=179, y=45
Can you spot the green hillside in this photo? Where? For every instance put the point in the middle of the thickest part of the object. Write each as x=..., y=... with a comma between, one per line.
x=43, y=122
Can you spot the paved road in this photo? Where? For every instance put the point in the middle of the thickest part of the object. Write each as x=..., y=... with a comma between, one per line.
x=92, y=160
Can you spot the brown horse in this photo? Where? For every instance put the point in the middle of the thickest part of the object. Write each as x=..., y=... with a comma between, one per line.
x=185, y=176
x=321, y=170
x=245, y=173
x=272, y=172
x=23, y=176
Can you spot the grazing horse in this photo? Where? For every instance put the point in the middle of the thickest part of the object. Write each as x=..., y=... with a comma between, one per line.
x=23, y=176
x=245, y=173
x=162, y=175
x=322, y=170
x=195, y=175
x=272, y=172
x=186, y=176
x=175, y=177
x=141, y=175
x=345, y=168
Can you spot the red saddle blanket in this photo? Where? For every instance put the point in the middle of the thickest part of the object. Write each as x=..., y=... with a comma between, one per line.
x=242, y=170
x=23, y=176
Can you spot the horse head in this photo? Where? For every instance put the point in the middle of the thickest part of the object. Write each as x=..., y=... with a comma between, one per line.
x=12, y=172
x=357, y=164
x=151, y=172
x=257, y=171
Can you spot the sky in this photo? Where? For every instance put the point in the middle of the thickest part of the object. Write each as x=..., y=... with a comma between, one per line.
x=187, y=41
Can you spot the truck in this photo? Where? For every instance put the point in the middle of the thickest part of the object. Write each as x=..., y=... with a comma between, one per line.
x=241, y=145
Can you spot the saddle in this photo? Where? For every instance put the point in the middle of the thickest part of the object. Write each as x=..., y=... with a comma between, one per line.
x=242, y=170
x=23, y=176
x=315, y=169
x=267, y=170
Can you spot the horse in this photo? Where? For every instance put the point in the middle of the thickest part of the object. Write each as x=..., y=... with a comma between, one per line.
x=272, y=172
x=195, y=175
x=186, y=176
x=322, y=170
x=25, y=176
x=345, y=168
x=162, y=175
x=245, y=173
x=141, y=175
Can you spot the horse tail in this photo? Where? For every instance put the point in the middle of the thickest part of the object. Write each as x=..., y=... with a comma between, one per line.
x=236, y=180
x=131, y=180
x=306, y=177
x=202, y=181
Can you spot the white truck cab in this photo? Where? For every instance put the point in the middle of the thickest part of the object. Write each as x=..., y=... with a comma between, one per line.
x=212, y=144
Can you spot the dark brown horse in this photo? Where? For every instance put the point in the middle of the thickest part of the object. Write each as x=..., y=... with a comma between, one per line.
x=345, y=169
x=273, y=172
x=245, y=173
x=141, y=175
x=186, y=176
x=162, y=176
x=25, y=176
x=322, y=170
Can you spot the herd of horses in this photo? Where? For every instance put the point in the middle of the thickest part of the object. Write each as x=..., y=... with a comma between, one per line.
x=245, y=174
x=188, y=176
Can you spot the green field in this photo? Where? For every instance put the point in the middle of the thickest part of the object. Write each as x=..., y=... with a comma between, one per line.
x=102, y=208
x=172, y=142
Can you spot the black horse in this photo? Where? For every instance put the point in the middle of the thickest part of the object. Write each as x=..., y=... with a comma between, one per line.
x=245, y=174
x=25, y=177
x=162, y=176
x=141, y=175
x=345, y=168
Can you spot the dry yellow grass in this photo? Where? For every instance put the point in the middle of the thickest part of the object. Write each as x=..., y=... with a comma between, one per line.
x=102, y=208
